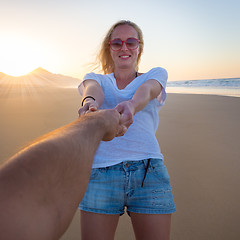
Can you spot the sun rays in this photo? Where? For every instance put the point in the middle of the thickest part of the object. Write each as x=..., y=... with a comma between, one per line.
x=34, y=84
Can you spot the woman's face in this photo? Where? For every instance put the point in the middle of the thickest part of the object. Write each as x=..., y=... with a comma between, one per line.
x=124, y=58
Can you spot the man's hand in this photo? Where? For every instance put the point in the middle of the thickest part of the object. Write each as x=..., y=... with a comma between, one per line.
x=111, y=124
x=127, y=111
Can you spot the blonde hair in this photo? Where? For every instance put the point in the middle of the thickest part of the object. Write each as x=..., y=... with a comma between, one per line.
x=104, y=59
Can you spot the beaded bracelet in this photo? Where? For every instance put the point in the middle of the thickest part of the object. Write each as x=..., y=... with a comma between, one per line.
x=88, y=97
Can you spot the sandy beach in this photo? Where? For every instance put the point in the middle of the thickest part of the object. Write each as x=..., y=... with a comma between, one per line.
x=198, y=134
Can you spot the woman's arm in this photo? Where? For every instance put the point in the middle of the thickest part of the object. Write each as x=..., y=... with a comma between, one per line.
x=145, y=93
x=93, y=89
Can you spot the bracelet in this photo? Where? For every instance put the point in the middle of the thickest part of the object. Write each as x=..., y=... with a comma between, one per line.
x=88, y=97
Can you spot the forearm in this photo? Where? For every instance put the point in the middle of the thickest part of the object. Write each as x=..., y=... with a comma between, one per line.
x=71, y=144
x=145, y=93
x=92, y=88
x=66, y=154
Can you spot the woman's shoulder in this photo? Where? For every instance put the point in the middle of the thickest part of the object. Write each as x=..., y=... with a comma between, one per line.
x=93, y=75
x=156, y=71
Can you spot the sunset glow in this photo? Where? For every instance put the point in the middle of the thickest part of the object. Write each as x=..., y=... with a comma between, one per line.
x=192, y=41
x=21, y=55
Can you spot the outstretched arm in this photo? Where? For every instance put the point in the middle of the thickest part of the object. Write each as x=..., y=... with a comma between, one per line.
x=41, y=186
x=145, y=93
x=93, y=89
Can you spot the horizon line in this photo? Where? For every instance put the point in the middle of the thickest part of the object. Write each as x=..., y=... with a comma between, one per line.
x=43, y=69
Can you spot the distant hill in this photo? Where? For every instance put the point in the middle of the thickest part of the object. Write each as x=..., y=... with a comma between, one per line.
x=39, y=77
x=2, y=75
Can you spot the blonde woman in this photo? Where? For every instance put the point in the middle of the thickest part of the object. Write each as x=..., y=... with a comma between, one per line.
x=127, y=172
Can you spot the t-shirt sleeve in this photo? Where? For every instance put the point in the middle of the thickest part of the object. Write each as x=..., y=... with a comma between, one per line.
x=161, y=75
x=92, y=76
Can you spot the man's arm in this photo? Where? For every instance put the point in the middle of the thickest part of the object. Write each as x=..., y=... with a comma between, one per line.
x=41, y=186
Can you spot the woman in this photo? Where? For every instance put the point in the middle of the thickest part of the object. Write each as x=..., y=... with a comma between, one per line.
x=129, y=170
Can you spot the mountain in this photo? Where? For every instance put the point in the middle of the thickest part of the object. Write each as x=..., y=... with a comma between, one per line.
x=2, y=75
x=40, y=71
x=39, y=77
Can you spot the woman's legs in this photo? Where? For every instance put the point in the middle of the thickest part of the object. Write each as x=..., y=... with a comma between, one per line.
x=125, y=180
x=98, y=226
x=151, y=226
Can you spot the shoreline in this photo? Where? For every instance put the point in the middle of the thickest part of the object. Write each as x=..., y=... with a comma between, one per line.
x=204, y=91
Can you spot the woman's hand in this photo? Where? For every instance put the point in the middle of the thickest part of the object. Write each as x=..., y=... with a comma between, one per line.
x=127, y=111
x=89, y=106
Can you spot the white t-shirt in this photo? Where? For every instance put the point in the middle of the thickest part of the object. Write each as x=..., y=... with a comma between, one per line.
x=139, y=142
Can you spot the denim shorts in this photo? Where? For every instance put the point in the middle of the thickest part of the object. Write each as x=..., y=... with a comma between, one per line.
x=112, y=189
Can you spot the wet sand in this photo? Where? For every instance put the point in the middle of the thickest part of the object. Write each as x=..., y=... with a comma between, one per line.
x=198, y=134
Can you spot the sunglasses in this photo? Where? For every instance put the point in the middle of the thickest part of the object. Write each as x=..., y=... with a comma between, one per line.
x=131, y=43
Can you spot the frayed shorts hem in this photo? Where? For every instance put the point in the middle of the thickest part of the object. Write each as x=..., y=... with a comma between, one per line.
x=140, y=211
x=100, y=211
x=144, y=211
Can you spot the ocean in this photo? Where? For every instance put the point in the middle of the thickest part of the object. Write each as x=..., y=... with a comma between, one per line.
x=223, y=86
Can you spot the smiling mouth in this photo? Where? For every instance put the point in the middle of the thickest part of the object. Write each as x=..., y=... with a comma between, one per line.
x=125, y=56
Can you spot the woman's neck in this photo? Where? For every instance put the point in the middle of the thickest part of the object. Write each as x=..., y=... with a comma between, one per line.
x=124, y=77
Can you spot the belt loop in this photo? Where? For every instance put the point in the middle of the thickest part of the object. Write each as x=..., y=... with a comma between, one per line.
x=146, y=169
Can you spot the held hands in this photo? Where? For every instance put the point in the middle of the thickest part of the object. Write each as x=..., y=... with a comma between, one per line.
x=125, y=110
x=112, y=122
x=108, y=122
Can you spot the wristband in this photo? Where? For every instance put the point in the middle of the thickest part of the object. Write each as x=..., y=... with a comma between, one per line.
x=88, y=97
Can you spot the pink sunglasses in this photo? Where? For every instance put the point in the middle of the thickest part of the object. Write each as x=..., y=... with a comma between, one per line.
x=131, y=43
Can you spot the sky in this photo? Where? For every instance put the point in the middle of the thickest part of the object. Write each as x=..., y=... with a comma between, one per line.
x=191, y=39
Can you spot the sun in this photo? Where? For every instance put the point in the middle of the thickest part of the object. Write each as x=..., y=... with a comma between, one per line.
x=20, y=55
